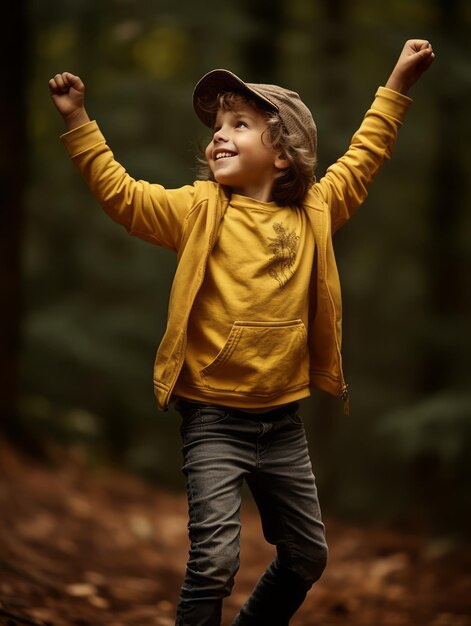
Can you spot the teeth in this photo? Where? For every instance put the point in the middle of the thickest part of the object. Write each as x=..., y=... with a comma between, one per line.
x=223, y=155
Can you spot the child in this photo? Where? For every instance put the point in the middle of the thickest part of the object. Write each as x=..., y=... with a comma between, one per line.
x=254, y=314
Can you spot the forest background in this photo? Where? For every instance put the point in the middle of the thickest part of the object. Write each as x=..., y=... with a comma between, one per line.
x=85, y=305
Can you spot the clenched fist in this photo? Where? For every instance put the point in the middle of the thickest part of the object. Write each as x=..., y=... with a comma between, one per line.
x=67, y=91
x=416, y=57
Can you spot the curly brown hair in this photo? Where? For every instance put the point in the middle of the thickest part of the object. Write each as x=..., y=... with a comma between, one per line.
x=292, y=185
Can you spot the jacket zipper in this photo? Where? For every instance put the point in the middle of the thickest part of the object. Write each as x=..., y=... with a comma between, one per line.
x=180, y=363
x=346, y=399
x=345, y=396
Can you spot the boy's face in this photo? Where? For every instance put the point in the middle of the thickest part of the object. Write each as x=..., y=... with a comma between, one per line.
x=238, y=155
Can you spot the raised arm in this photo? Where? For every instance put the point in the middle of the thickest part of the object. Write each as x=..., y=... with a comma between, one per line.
x=146, y=210
x=345, y=184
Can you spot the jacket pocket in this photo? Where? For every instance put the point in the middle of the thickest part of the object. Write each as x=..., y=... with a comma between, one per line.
x=260, y=359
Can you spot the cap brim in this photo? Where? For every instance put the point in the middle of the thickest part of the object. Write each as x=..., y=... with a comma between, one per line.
x=216, y=82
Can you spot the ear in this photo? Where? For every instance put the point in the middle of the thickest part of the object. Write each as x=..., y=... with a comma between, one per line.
x=281, y=162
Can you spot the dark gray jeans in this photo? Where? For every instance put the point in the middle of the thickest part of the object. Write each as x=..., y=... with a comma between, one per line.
x=222, y=446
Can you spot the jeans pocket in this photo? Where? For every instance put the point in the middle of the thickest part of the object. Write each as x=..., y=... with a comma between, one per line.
x=199, y=415
x=295, y=418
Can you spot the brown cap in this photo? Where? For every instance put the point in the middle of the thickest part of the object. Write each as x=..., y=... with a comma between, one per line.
x=294, y=114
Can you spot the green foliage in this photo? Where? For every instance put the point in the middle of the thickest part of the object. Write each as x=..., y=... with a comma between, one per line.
x=439, y=426
x=427, y=448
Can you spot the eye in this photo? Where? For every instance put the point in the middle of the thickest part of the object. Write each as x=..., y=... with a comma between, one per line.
x=241, y=124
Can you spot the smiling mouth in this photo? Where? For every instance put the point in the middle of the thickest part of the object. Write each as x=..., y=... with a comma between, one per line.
x=224, y=155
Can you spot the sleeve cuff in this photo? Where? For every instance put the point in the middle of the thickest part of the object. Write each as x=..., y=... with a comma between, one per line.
x=82, y=138
x=391, y=102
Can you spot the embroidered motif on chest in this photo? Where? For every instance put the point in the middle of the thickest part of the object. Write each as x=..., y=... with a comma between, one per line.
x=284, y=248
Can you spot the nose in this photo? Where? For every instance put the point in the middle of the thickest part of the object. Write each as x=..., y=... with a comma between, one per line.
x=220, y=135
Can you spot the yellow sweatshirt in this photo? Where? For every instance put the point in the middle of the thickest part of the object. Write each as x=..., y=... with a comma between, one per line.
x=247, y=332
x=190, y=221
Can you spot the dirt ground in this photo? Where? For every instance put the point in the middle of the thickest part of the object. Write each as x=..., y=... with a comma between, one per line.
x=88, y=548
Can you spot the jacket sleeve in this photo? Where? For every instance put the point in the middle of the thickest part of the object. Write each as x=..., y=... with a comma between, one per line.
x=146, y=210
x=345, y=184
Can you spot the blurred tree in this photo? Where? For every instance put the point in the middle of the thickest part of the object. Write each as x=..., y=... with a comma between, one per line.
x=260, y=49
x=447, y=274
x=432, y=435
x=14, y=160
x=334, y=46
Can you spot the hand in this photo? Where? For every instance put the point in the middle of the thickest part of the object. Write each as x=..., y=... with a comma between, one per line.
x=67, y=92
x=416, y=57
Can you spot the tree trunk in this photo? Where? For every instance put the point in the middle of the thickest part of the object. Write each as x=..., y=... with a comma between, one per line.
x=446, y=279
x=15, y=78
x=260, y=53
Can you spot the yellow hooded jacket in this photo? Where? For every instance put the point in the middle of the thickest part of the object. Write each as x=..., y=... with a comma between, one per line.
x=187, y=221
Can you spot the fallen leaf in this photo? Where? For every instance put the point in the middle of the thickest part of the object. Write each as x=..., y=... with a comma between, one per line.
x=81, y=590
x=99, y=602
